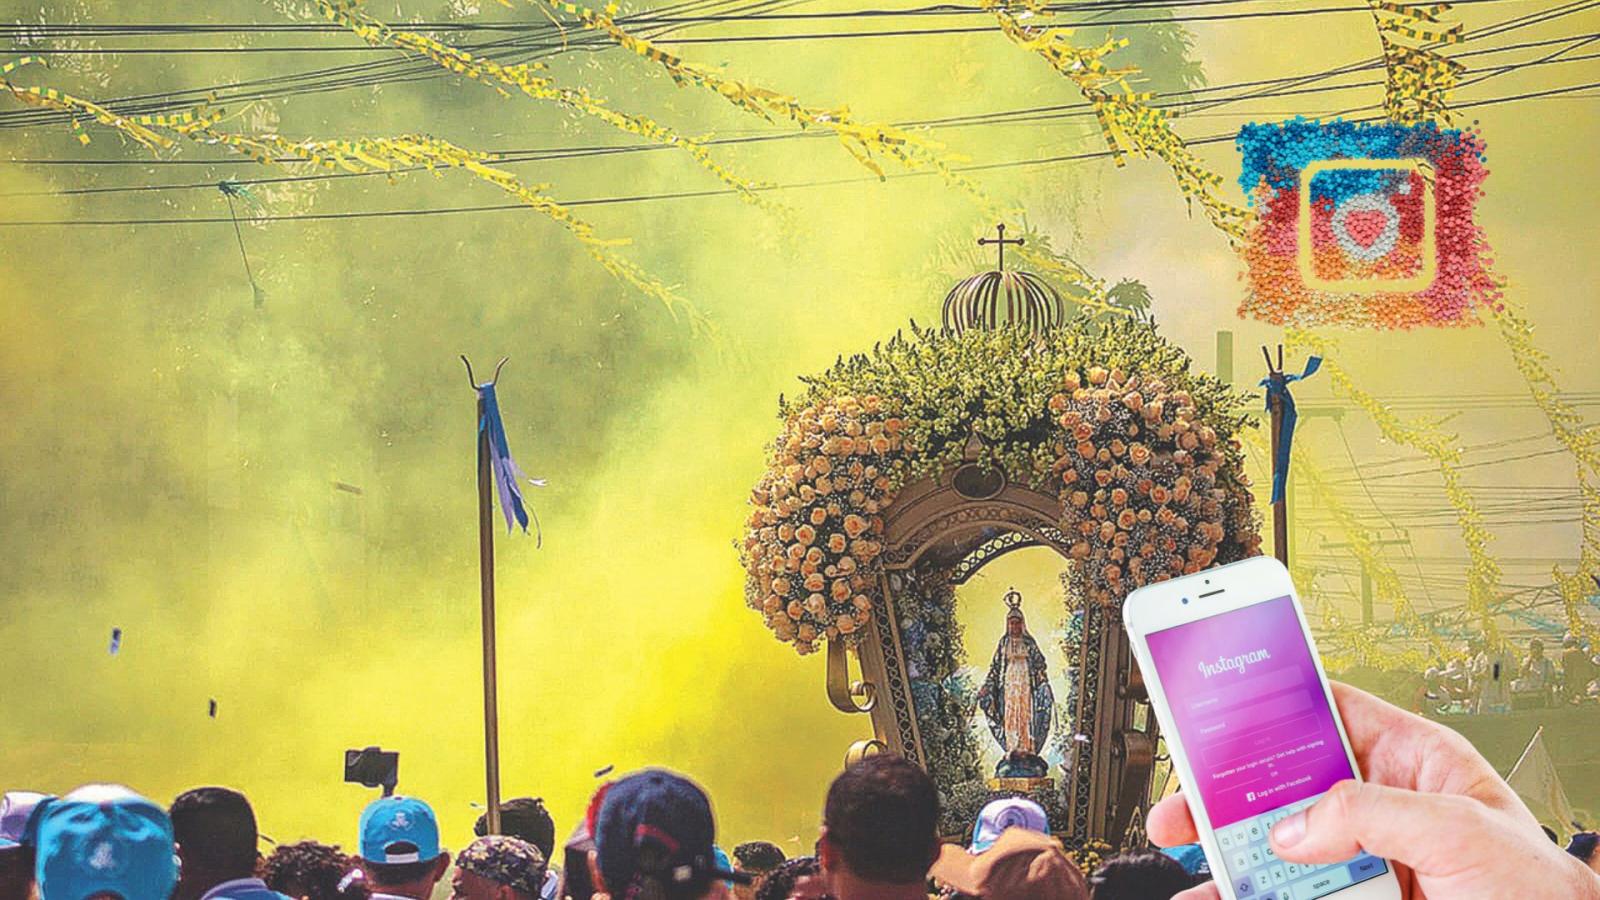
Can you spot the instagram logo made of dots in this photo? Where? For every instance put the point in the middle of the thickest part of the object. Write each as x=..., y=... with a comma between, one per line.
x=1367, y=225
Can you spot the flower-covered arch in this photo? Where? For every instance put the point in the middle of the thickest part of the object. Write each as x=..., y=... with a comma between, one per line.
x=1097, y=439
x=1110, y=418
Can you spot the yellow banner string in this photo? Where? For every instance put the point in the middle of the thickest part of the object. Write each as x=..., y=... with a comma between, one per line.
x=526, y=78
x=367, y=155
x=1128, y=123
x=1420, y=80
x=1387, y=587
x=408, y=151
x=1483, y=571
x=1419, y=87
x=864, y=141
x=50, y=98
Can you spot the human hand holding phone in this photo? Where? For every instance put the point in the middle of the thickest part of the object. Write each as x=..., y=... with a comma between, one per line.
x=1431, y=803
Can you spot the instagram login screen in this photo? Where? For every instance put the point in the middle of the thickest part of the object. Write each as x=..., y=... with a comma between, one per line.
x=1249, y=710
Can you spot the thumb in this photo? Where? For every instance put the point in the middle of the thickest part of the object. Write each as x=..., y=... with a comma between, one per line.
x=1430, y=833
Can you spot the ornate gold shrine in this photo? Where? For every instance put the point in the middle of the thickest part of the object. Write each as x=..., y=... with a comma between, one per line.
x=963, y=520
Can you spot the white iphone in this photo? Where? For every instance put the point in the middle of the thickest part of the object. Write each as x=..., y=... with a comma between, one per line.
x=1250, y=723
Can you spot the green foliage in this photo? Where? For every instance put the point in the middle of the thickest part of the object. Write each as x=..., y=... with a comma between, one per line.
x=998, y=384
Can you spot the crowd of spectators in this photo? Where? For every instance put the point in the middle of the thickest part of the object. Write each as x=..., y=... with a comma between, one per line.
x=1431, y=805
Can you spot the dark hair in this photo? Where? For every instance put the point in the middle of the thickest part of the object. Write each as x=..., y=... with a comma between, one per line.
x=1583, y=845
x=1139, y=875
x=780, y=882
x=576, y=882
x=757, y=856
x=526, y=818
x=17, y=862
x=882, y=815
x=313, y=871
x=398, y=873
x=215, y=830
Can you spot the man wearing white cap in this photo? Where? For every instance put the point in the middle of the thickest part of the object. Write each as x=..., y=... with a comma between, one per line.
x=19, y=816
x=999, y=815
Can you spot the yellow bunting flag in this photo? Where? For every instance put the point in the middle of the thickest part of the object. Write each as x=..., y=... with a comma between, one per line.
x=527, y=79
x=50, y=98
x=1129, y=124
x=864, y=141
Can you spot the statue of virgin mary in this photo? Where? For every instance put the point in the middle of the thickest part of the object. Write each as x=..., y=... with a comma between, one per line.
x=1016, y=697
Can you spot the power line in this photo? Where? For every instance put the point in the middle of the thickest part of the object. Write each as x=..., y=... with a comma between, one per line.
x=1025, y=116
x=47, y=31
x=639, y=198
x=395, y=71
x=765, y=38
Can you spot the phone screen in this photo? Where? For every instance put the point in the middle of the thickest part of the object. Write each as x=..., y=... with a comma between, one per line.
x=1255, y=724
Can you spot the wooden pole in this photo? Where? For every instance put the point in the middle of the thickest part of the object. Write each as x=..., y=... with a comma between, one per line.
x=1280, y=512
x=491, y=712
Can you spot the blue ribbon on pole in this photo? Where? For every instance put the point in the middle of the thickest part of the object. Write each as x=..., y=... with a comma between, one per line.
x=507, y=474
x=1277, y=385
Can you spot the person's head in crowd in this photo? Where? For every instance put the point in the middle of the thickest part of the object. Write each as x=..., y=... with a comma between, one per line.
x=498, y=867
x=1020, y=864
x=1000, y=815
x=758, y=857
x=1536, y=649
x=215, y=829
x=525, y=818
x=400, y=850
x=19, y=818
x=1585, y=845
x=655, y=839
x=312, y=871
x=577, y=869
x=755, y=858
x=103, y=839
x=1139, y=875
x=800, y=878
x=880, y=829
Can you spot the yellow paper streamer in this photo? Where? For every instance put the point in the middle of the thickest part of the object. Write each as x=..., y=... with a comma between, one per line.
x=1483, y=572
x=526, y=78
x=366, y=155
x=864, y=141
x=1127, y=121
x=1420, y=81
x=407, y=151
x=1386, y=584
x=50, y=98
x=1567, y=425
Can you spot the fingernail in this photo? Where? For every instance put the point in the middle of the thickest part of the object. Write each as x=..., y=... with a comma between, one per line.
x=1290, y=831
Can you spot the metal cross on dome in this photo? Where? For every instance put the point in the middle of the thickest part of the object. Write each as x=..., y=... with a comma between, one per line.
x=1001, y=242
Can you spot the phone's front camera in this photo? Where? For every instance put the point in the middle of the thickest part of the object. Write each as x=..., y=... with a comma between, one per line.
x=1186, y=600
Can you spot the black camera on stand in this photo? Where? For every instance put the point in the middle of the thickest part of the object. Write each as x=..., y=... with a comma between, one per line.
x=373, y=767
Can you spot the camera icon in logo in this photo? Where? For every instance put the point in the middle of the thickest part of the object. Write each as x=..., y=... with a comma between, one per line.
x=1367, y=226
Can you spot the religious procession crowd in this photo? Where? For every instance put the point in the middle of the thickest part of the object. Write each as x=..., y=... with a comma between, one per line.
x=1430, y=803
x=1487, y=679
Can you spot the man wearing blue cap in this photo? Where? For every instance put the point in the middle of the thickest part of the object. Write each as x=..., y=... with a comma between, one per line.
x=655, y=840
x=103, y=839
x=400, y=849
x=19, y=817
